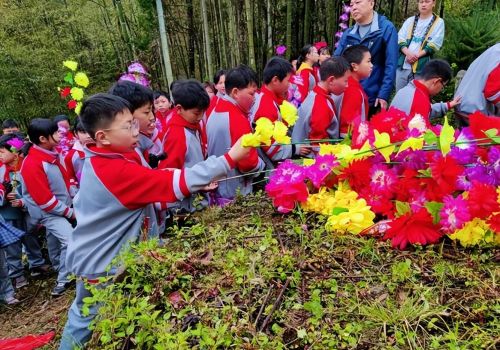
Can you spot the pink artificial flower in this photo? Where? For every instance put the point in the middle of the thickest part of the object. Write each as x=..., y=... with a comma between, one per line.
x=280, y=50
x=288, y=173
x=16, y=143
x=321, y=168
x=454, y=214
x=383, y=179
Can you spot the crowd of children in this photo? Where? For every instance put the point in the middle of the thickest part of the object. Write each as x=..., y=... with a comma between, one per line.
x=135, y=157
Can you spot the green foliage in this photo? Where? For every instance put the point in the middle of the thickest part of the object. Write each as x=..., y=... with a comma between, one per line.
x=469, y=36
x=220, y=284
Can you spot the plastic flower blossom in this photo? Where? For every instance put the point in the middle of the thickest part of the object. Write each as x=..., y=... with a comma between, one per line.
x=475, y=232
x=71, y=65
x=446, y=137
x=417, y=123
x=414, y=143
x=357, y=218
x=16, y=143
x=77, y=93
x=289, y=113
x=321, y=168
x=454, y=214
x=81, y=79
x=286, y=186
x=280, y=50
x=383, y=145
x=383, y=179
x=280, y=133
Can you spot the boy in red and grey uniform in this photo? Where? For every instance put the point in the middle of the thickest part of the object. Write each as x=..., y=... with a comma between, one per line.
x=141, y=100
x=73, y=161
x=317, y=118
x=276, y=78
x=228, y=122
x=415, y=98
x=354, y=107
x=480, y=86
x=184, y=145
x=46, y=193
x=116, y=199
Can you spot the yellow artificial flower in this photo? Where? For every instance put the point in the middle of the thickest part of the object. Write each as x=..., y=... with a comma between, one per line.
x=78, y=108
x=250, y=140
x=71, y=65
x=289, y=113
x=264, y=128
x=280, y=133
x=475, y=232
x=383, y=143
x=415, y=143
x=344, y=153
x=81, y=79
x=446, y=137
x=76, y=93
x=356, y=219
x=308, y=161
x=364, y=152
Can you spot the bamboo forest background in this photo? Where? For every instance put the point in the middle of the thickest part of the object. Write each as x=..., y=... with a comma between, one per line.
x=105, y=35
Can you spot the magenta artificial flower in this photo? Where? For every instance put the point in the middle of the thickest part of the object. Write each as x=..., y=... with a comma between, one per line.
x=346, y=8
x=321, y=168
x=383, y=179
x=344, y=17
x=280, y=50
x=16, y=143
x=454, y=214
x=464, y=151
x=417, y=200
x=287, y=172
x=415, y=160
x=481, y=173
x=494, y=162
x=343, y=26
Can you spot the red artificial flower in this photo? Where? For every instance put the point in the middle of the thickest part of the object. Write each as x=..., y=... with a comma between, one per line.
x=482, y=200
x=413, y=228
x=445, y=172
x=72, y=104
x=392, y=121
x=479, y=123
x=407, y=184
x=65, y=92
x=357, y=174
x=379, y=203
x=286, y=195
x=494, y=223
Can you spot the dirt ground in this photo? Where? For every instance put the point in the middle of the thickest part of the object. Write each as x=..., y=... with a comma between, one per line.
x=37, y=313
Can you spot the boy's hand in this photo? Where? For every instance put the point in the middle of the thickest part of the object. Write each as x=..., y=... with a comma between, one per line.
x=238, y=152
x=455, y=101
x=16, y=203
x=11, y=196
x=210, y=187
x=381, y=102
x=304, y=150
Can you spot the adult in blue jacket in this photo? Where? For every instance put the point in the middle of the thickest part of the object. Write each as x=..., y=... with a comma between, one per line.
x=381, y=37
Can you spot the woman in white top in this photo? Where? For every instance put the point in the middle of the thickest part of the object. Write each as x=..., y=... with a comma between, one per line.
x=419, y=38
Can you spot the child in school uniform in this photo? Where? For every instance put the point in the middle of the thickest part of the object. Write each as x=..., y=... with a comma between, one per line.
x=184, y=145
x=227, y=123
x=141, y=100
x=13, y=212
x=73, y=161
x=317, y=117
x=415, y=98
x=116, y=198
x=309, y=56
x=46, y=192
x=276, y=79
x=354, y=106
x=163, y=111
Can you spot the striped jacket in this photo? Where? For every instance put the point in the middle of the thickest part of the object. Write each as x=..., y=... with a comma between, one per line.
x=116, y=199
x=225, y=126
x=46, y=184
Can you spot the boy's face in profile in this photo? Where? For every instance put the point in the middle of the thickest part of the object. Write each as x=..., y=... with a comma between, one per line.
x=337, y=86
x=192, y=115
x=280, y=88
x=245, y=97
x=146, y=118
x=83, y=137
x=364, y=69
x=162, y=104
x=121, y=135
x=221, y=85
x=435, y=86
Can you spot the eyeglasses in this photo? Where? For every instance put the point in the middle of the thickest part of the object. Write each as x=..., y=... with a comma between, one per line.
x=132, y=128
x=443, y=83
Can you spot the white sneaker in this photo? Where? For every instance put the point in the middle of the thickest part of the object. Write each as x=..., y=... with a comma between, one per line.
x=20, y=282
x=11, y=301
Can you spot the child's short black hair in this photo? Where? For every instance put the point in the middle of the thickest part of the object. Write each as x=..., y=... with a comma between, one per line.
x=60, y=118
x=99, y=111
x=190, y=94
x=276, y=67
x=355, y=53
x=9, y=123
x=136, y=94
x=41, y=127
x=79, y=127
x=240, y=77
x=336, y=66
x=159, y=93
x=437, y=69
x=219, y=74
